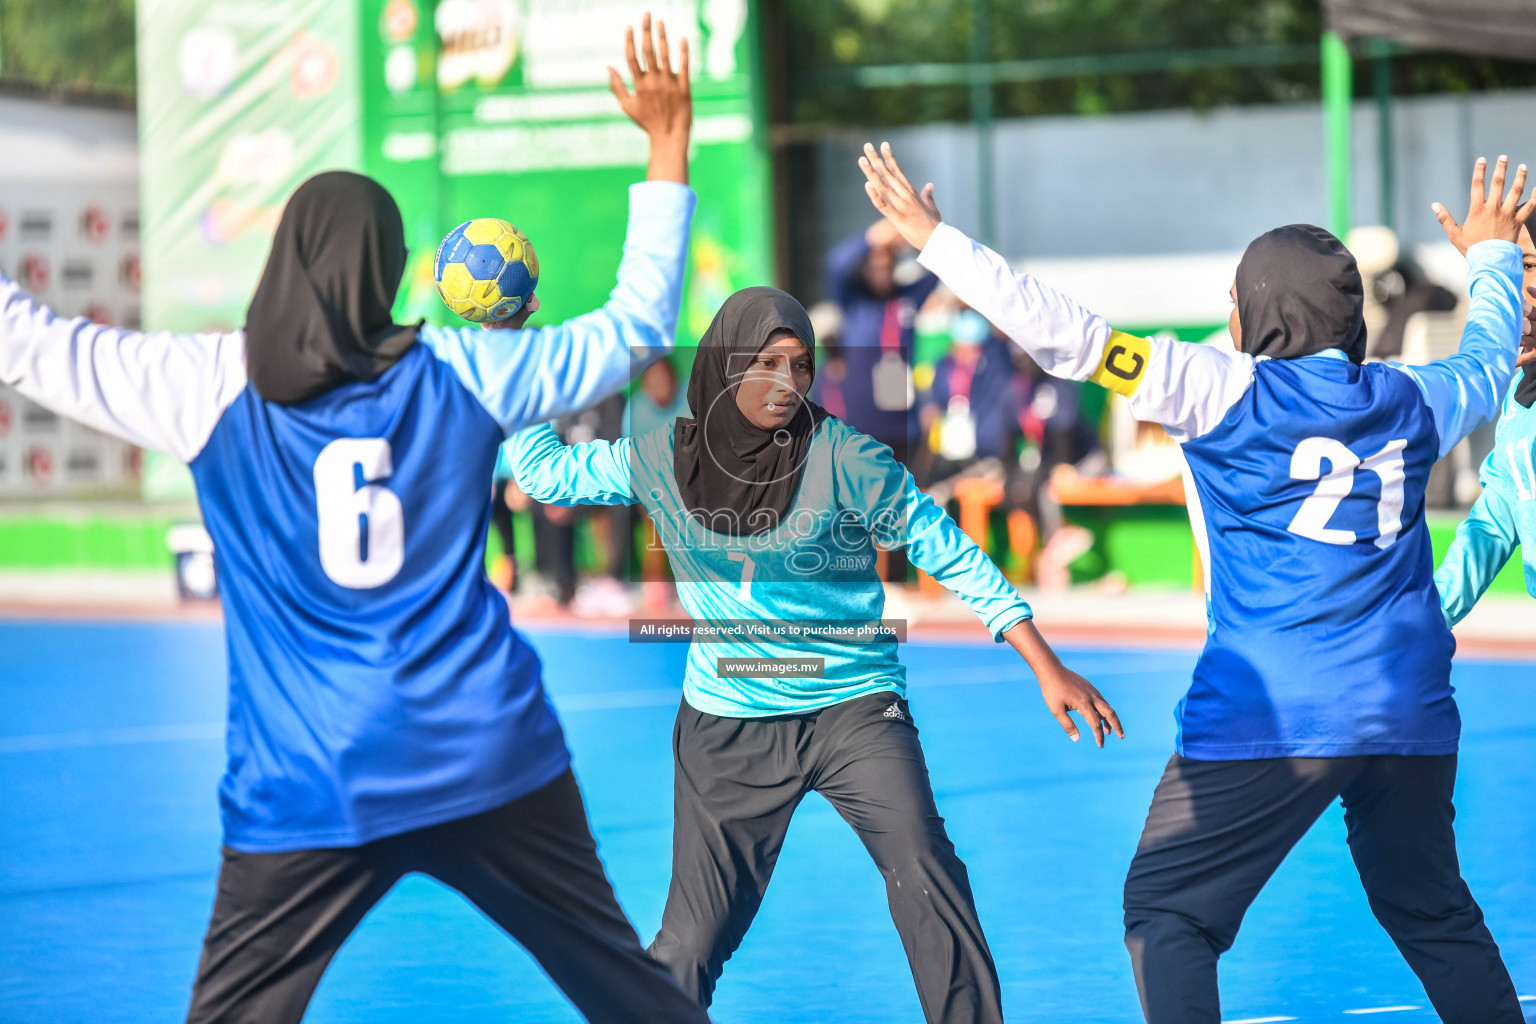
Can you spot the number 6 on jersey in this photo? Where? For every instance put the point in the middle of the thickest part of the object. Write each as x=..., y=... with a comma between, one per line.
x=362, y=524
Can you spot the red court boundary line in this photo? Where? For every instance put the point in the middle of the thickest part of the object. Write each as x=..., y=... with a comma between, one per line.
x=1067, y=634
x=211, y=612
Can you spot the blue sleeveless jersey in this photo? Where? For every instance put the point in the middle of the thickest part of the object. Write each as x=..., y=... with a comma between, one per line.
x=376, y=684
x=1326, y=637
x=330, y=670
x=1306, y=491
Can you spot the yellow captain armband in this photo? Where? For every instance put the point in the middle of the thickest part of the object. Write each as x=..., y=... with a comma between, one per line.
x=1124, y=363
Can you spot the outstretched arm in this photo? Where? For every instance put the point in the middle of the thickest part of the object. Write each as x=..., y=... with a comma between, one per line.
x=1063, y=690
x=1463, y=391
x=1484, y=541
x=897, y=514
x=528, y=376
x=159, y=390
x=1186, y=388
x=591, y=473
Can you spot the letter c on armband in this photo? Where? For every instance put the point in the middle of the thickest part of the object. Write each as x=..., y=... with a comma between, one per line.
x=1124, y=363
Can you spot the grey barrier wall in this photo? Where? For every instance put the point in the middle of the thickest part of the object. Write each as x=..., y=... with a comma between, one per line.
x=1160, y=182
x=69, y=234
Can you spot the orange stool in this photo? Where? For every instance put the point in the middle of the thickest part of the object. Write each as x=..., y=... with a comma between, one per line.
x=977, y=497
x=1023, y=539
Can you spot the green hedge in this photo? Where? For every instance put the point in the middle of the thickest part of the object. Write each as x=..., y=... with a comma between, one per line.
x=1150, y=545
x=85, y=540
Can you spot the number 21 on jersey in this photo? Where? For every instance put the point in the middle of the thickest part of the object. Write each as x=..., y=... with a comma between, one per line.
x=1311, y=520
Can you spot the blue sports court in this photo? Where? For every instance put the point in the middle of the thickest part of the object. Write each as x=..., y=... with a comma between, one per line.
x=113, y=743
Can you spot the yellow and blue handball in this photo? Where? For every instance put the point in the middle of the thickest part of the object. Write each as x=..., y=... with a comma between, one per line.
x=485, y=270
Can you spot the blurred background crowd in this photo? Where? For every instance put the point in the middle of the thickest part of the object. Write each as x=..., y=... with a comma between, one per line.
x=1027, y=463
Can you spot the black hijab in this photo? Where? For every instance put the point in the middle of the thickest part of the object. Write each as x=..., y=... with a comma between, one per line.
x=737, y=478
x=1299, y=293
x=1525, y=393
x=320, y=316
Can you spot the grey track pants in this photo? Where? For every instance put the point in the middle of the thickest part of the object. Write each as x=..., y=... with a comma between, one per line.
x=530, y=865
x=1218, y=829
x=737, y=784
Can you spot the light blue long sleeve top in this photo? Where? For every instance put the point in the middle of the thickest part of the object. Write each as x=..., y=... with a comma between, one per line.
x=1503, y=518
x=536, y=374
x=1463, y=390
x=816, y=568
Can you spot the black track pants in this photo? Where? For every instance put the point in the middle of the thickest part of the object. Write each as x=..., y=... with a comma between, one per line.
x=1218, y=829
x=530, y=865
x=737, y=784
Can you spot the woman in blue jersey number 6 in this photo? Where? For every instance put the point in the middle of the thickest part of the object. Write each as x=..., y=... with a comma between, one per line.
x=1326, y=671
x=384, y=716
x=770, y=511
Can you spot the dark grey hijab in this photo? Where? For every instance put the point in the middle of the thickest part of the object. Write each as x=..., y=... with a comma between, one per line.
x=1299, y=293
x=1525, y=393
x=735, y=477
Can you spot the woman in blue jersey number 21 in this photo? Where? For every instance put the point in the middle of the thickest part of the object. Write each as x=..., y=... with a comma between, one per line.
x=770, y=511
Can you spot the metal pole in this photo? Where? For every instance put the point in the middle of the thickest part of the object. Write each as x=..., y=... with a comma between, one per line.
x=981, y=119
x=1338, y=90
x=1385, y=154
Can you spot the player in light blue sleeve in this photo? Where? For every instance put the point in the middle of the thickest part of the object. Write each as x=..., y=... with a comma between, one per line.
x=770, y=511
x=1326, y=669
x=1504, y=516
x=384, y=716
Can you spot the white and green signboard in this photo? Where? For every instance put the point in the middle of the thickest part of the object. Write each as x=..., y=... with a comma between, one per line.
x=517, y=122
x=462, y=108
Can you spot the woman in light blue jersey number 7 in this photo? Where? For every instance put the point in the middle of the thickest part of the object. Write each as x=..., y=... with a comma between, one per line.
x=770, y=511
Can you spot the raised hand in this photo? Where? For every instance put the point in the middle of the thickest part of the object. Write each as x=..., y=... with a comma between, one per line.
x=913, y=213
x=662, y=100
x=1489, y=217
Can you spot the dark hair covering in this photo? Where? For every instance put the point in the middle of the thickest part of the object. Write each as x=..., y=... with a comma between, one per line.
x=320, y=317
x=1525, y=393
x=735, y=477
x=1299, y=293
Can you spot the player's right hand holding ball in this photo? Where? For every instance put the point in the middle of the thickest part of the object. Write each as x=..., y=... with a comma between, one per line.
x=662, y=101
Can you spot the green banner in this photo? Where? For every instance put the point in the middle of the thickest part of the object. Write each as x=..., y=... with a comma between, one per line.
x=463, y=109
x=501, y=108
x=238, y=103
